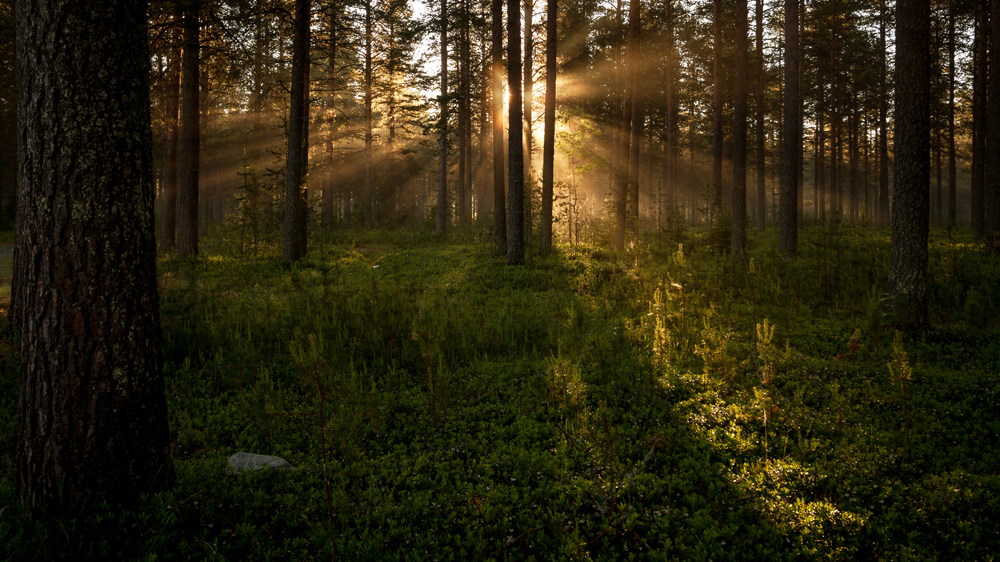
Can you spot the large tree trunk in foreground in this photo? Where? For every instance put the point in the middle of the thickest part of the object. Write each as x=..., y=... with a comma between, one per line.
x=911, y=174
x=92, y=408
x=294, y=243
x=187, y=196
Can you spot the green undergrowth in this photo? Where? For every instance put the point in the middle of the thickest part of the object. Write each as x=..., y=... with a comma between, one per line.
x=663, y=403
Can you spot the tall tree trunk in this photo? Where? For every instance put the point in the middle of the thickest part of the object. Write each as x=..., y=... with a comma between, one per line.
x=464, y=120
x=187, y=197
x=738, y=240
x=952, y=187
x=836, y=206
x=169, y=224
x=329, y=188
x=499, y=191
x=979, y=122
x=634, y=100
x=369, y=172
x=670, y=149
x=788, y=207
x=515, y=156
x=761, y=154
x=991, y=207
x=910, y=209
x=442, y=203
x=883, y=127
x=294, y=243
x=800, y=120
x=529, y=90
x=483, y=188
x=716, y=203
x=821, y=154
x=618, y=101
x=93, y=417
x=852, y=154
x=549, y=140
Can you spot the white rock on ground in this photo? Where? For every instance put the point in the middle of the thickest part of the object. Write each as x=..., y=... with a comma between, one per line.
x=249, y=461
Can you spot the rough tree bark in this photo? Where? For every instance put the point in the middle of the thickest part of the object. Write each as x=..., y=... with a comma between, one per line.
x=92, y=408
x=911, y=174
x=294, y=226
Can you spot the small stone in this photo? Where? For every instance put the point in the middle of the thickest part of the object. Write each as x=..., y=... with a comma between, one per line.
x=249, y=461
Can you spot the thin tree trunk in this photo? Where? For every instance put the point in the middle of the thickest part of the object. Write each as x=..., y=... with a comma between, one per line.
x=499, y=192
x=329, y=178
x=167, y=236
x=952, y=187
x=670, y=156
x=788, y=207
x=515, y=177
x=883, y=136
x=634, y=101
x=800, y=121
x=991, y=207
x=369, y=172
x=187, y=196
x=464, y=122
x=836, y=206
x=93, y=417
x=483, y=197
x=852, y=154
x=716, y=202
x=529, y=91
x=442, y=203
x=549, y=150
x=821, y=155
x=761, y=154
x=739, y=235
x=979, y=122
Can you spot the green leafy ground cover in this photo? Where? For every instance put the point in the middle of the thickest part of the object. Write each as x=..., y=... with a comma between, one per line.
x=661, y=404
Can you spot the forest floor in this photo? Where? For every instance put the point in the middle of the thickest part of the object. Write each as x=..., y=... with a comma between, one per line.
x=664, y=403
